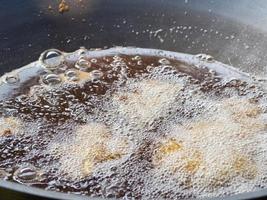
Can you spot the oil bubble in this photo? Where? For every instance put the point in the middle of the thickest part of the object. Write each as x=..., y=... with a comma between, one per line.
x=82, y=51
x=137, y=58
x=96, y=74
x=140, y=62
x=205, y=57
x=82, y=64
x=3, y=174
x=11, y=79
x=164, y=61
x=51, y=79
x=72, y=75
x=22, y=98
x=26, y=174
x=52, y=58
x=93, y=60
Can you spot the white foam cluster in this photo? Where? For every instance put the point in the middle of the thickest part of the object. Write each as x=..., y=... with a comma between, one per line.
x=216, y=153
x=10, y=126
x=90, y=145
x=146, y=101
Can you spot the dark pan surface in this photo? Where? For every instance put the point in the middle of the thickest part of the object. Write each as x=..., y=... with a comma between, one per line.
x=234, y=32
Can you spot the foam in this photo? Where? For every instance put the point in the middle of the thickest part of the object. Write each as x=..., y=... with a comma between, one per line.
x=147, y=101
x=91, y=145
x=216, y=150
x=10, y=126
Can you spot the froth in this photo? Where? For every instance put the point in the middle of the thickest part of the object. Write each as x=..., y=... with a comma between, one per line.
x=220, y=149
x=146, y=101
x=90, y=145
x=10, y=126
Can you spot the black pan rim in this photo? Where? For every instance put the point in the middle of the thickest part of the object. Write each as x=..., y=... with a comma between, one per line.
x=24, y=189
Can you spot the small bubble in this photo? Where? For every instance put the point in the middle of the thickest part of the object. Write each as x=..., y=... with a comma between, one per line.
x=93, y=60
x=25, y=174
x=164, y=61
x=22, y=98
x=72, y=75
x=136, y=58
x=3, y=174
x=247, y=46
x=149, y=68
x=62, y=68
x=83, y=64
x=139, y=62
x=11, y=79
x=51, y=79
x=82, y=51
x=209, y=58
x=117, y=58
x=205, y=57
x=96, y=74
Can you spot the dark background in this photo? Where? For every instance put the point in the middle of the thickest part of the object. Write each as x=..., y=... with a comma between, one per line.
x=234, y=32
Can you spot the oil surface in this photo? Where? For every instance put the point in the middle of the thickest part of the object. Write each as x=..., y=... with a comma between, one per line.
x=133, y=127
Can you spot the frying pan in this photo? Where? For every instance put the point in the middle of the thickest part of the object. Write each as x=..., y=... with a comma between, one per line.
x=233, y=32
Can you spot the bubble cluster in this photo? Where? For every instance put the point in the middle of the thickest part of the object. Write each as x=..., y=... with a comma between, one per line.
x=134, y=126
